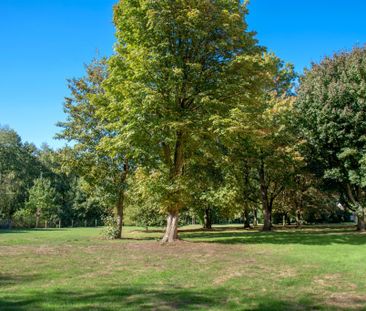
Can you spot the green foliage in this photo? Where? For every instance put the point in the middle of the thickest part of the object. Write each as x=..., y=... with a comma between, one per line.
x=42, y=200
x=330, y=109
x=178, y=65
x=105, y=172
x=110, y=229
x=18, y=167
x=24, y=218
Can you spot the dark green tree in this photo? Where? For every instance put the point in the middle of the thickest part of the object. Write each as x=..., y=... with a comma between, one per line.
x=330, y=108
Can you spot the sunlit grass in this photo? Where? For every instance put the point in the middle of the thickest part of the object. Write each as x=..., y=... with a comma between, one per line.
x=226, y=268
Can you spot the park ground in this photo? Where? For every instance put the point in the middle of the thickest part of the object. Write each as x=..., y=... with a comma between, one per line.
x=316, y=268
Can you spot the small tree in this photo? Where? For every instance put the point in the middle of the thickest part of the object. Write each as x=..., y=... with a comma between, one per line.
x=42, y=200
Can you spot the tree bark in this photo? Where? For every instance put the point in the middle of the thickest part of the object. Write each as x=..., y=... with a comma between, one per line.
x=246, y=219
x=361, y=226
x=267, y=224
x=207, y=219
x=353, y=195
x=171, y=231
x=266, y=205
x=37, y=218
x=176, y=171
x=255, y=220
x=120, y=200
x=298, y=218
x=119, y=209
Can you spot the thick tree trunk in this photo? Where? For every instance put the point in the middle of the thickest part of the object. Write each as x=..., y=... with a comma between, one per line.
x=246, y=219
x=171, y=231
x=207, y=219
x=267, y=214
x=176, y=171
x=361, y=226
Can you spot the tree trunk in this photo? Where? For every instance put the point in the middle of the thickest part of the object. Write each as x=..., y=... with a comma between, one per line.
x=207, y=219
x=361, y=221
x=255, y=220
x=171, y=231
x=119, y=216
x=176, y=171
x=37, y=219
x=298, y=218
x=267, y=224
x=120, y=200
x=246, y=219
x=266, y=205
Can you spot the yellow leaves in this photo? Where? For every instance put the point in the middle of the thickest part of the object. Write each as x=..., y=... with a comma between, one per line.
x=193, y=14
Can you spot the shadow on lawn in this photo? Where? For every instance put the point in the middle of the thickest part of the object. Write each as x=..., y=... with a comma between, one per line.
x=323, y=237
x=146, y=298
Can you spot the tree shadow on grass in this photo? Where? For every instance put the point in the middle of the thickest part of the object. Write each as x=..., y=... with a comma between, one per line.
x=323, y=237
x=147, y=298
x=9, y=279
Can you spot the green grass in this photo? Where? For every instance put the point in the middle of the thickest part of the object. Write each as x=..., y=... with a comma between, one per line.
x=318, y=268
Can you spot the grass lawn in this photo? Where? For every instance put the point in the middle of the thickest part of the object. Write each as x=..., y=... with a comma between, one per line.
x=318, y=268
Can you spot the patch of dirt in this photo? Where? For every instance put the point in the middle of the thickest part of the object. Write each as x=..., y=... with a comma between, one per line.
x=227, y=276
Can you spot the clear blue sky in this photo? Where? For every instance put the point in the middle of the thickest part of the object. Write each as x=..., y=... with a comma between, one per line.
x=44, y=42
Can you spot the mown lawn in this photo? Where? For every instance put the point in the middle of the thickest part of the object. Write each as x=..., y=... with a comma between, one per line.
x=225, y=269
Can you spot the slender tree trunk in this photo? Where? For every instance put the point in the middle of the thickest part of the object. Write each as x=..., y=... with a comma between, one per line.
x=119, y=216
x=120, y=200
x=266, y=206
x=298, y=218
x=37, y=218
x=246, y=219
x=207, y=219
x=255, y=220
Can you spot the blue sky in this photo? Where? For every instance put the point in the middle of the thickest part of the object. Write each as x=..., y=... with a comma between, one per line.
x=44, y=42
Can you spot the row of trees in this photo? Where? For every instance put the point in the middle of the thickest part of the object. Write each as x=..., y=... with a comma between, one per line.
x=34, y=188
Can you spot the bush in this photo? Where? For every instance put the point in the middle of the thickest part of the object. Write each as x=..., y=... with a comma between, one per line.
x=110, y=230
x=24, y=218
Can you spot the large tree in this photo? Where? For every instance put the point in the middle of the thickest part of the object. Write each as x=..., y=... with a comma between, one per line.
x=178, y=65
x=331, y=107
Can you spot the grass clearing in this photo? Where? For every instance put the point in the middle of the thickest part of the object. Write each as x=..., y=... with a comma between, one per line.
x=320, y=268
